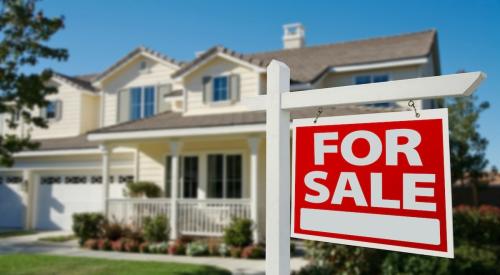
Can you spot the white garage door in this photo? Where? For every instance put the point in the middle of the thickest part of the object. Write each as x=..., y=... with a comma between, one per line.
x=60, y=196
x=11, y=203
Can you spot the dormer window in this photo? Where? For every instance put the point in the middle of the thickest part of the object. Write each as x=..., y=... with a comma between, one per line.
x=220, y=89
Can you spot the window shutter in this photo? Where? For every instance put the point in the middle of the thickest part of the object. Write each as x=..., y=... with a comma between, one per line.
x=207, y=89
x=123, y=105
x=58, y=110
x=162, y=91
x=234, y=87
x=43, y=112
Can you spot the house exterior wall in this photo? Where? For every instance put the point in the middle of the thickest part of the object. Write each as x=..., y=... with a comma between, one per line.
x=132, y=76
x=90, y=112
x=71, y=120
x=249, y=86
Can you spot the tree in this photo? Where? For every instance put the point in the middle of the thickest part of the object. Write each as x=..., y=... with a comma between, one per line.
x=467, y=146
x=24, y=32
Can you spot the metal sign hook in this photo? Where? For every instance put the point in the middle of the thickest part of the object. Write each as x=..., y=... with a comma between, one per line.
x=411, y=104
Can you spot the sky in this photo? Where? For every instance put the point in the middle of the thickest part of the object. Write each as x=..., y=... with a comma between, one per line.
x=98, y=33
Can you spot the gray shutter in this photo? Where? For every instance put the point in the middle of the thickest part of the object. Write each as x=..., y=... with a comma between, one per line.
x=234, y=87
x=43, y=112
x=58, y=109
x=162, y=91
x=123, y=105
x=207, y=89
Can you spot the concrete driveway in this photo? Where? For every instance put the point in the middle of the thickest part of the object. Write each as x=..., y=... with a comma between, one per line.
x=30, y=244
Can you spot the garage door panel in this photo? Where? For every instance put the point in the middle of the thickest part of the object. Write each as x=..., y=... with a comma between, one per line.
x=61, y=196
x=11, y=202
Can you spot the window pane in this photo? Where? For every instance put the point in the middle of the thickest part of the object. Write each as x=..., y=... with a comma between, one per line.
x=362, y=79
x=215, y=176
x=190, y=177
x=149, y=101
x=380, y=78
x=220, y=91
x=135, y=103
x=51, y=110
x=233, y=176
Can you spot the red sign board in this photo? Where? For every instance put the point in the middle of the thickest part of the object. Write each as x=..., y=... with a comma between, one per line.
x=375, y=180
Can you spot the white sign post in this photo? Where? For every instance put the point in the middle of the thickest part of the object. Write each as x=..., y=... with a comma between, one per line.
x=279, y=102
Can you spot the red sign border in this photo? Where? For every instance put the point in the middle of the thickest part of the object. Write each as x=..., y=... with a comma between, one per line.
x=383, y=117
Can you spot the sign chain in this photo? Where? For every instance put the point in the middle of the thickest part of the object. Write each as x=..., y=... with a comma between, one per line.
x=320, y=111
x=411, y=103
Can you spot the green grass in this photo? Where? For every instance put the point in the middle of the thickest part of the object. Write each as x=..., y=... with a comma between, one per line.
x=17, y=264
x=15, y=233
x=58, y=239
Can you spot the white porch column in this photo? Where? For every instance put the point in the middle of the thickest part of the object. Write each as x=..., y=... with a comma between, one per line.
x=105, y=151
x=175, y=147
x=27, y=186
x=254, y=143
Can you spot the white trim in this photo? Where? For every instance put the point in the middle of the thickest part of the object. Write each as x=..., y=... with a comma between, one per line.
x=223, y=55
x=68, y=152
x=82, y=165
x=201, y=131
x=384, y=117
x=60, y=81
x=379, y=65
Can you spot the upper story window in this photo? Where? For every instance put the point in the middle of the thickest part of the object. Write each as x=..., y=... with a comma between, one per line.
x=142, y=102
x=220, y=89
x=365, y=79
x=53, y=110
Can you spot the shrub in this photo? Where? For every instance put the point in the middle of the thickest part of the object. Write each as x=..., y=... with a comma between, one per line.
x=104, y=244
x=313, y=269
x=213, y=245
x=143, y=188
x=131, y=245
x=118, y=245
x=134, y=234
x=177, y=248
x=238, y=233
x=253, y=252
x=144, y=247
x=112, y=231
x=223, y=250
x=159, y=248
x=87, y=226
x=197, y=249
x=156, y=229
x=235, y=251
x=91, y=244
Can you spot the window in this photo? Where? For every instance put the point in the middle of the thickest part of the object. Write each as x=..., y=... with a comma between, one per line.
x=190, y=177
x=220, y=89
x=224, y=176
x=142, y=102
x=52, y=111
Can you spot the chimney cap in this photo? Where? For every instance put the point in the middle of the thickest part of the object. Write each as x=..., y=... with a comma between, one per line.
x=293, y=36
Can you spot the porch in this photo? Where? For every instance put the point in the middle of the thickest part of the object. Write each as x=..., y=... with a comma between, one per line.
x=195, y=217
x=214, y=179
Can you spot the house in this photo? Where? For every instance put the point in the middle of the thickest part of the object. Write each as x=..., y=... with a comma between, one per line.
x=184, y=126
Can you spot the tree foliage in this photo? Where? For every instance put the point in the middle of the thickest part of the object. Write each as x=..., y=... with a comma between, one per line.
x=25, y=32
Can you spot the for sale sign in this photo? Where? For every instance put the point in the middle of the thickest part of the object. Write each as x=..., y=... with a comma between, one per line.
x=375, y=180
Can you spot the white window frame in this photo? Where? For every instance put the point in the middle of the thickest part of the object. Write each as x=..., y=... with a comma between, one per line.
x=143, y=101
x=228, y=95
x=224, y=173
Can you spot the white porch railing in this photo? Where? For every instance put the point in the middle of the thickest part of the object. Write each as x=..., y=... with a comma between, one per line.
x=206, y=217
x=210, y=217
x=133, y=211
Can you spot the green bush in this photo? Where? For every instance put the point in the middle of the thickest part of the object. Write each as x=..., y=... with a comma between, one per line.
x=143, y=188
x=238, y=233
x=159, y=248
x=156, y=229
x=476, y=242
x=197, y=249
x=87, y=226
x=254, y=252
x=112, y=231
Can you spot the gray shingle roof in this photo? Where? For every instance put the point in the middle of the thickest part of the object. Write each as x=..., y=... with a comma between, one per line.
x=78, y=142
x=172, y=120
x=80, y=81
x=308, y=63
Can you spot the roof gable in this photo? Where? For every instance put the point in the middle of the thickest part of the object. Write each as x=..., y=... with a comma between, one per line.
x=83, y=82
x=140, y=51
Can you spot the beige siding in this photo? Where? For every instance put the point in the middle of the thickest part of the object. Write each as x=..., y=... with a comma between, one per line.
x=90, y=113
x=249, y=86
x=131, y=76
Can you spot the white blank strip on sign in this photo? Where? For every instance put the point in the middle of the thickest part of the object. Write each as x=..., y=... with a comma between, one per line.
x=409, y=229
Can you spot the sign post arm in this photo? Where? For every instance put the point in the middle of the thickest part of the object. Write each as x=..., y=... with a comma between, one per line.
x=277, y=171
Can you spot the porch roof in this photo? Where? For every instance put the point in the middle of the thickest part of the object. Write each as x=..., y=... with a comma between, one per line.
x=173, y=120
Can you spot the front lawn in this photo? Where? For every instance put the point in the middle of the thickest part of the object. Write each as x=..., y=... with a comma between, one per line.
x=45, y=264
